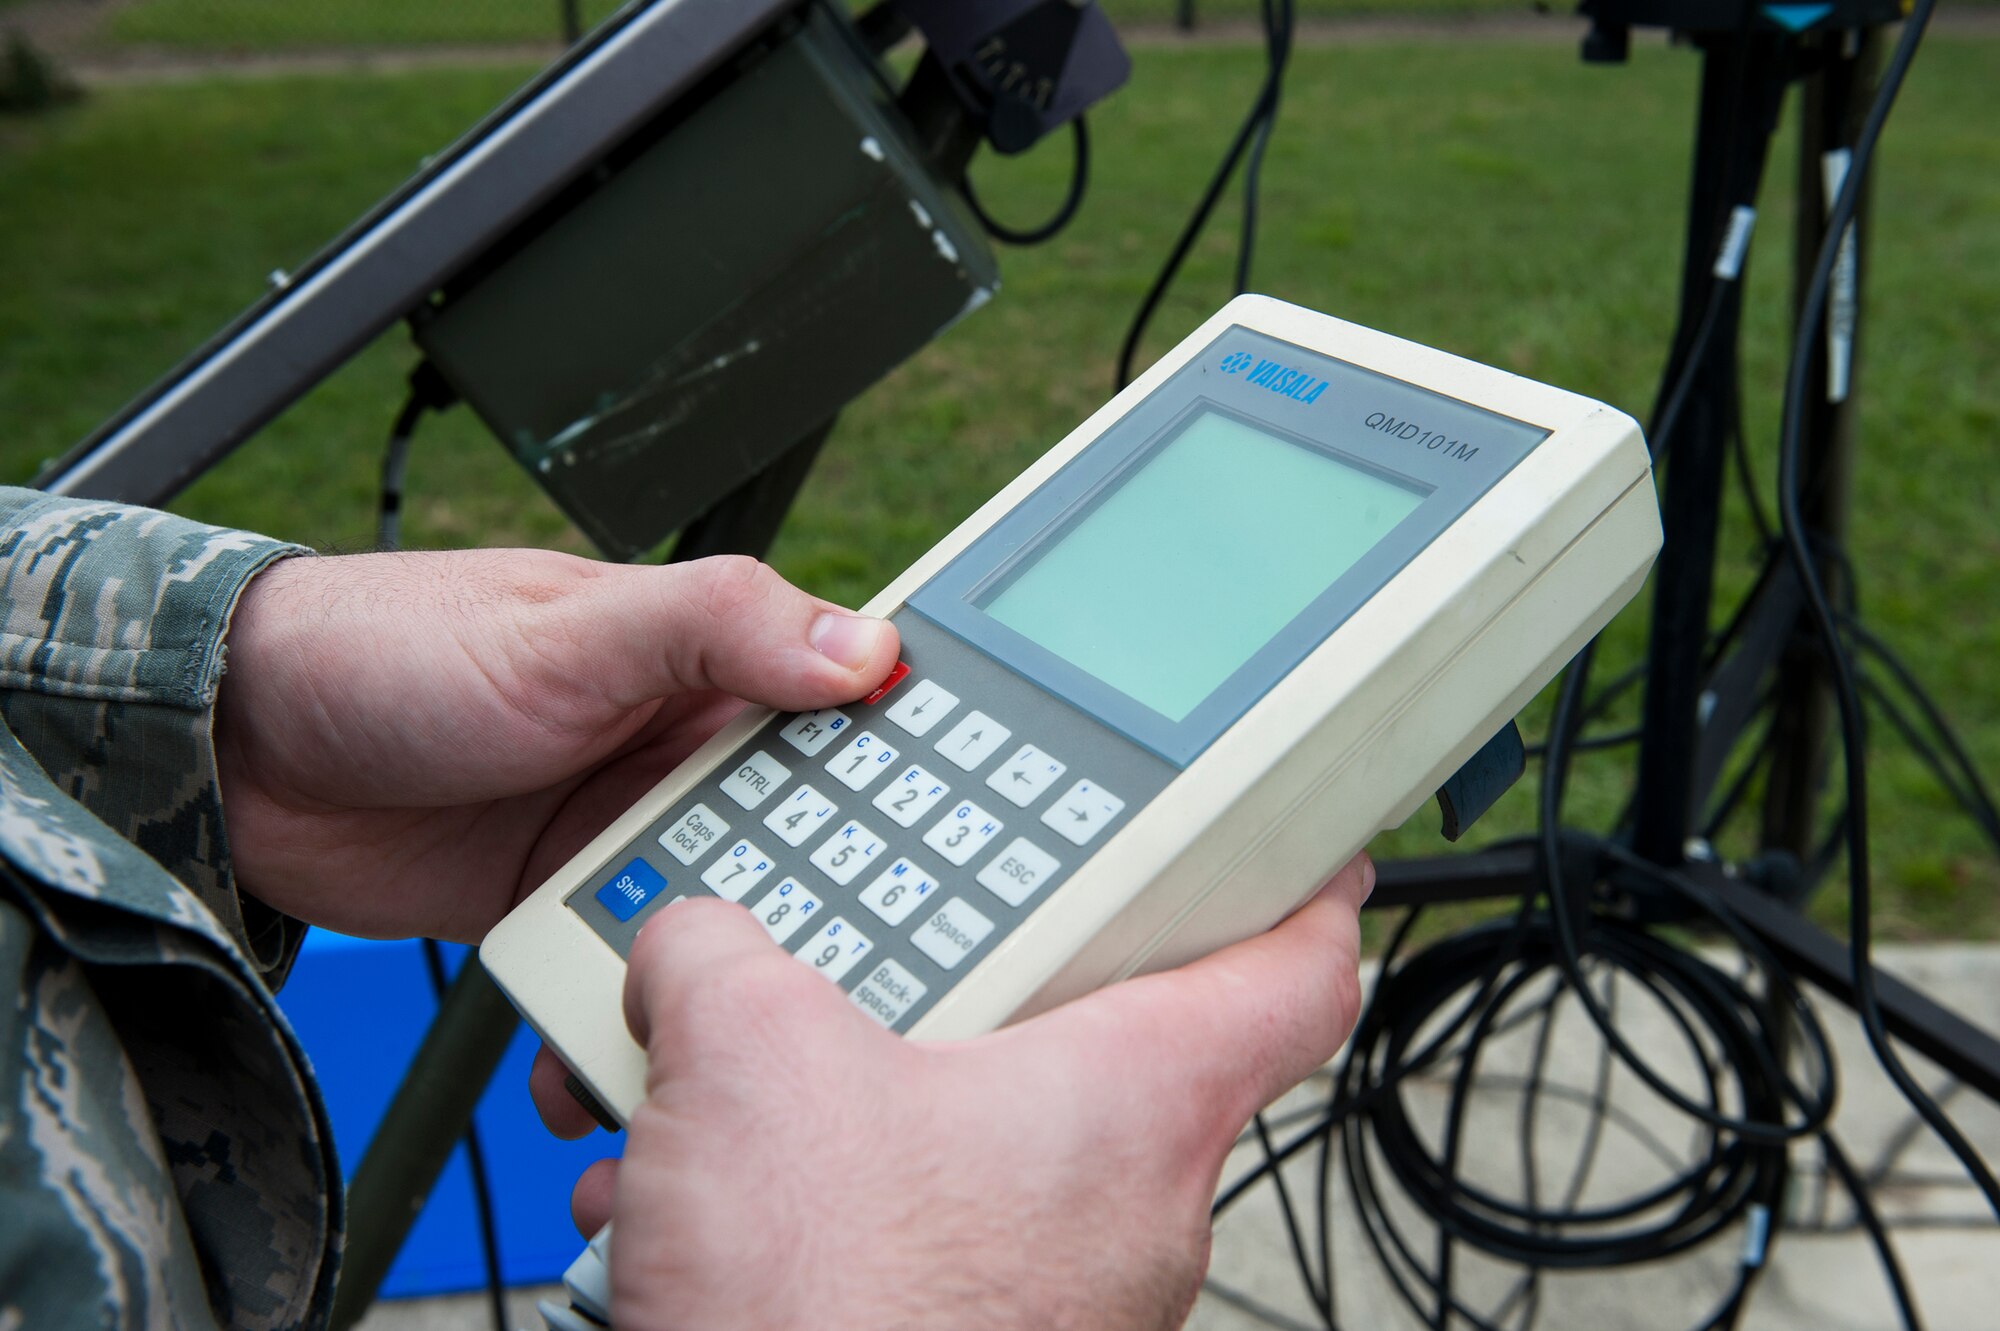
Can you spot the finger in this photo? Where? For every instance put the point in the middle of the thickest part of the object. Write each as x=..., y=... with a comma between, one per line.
x=1253, y=1020
x=686, y=970
x=561, y=1114
x=590, y=1199
x=733, y=624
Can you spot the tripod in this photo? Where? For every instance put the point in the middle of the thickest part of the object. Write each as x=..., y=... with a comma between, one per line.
x=1699, y=703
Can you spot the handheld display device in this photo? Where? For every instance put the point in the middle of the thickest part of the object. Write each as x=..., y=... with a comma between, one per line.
x=1253, y=611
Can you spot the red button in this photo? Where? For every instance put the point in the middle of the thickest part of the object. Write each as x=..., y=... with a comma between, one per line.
x=896, y=677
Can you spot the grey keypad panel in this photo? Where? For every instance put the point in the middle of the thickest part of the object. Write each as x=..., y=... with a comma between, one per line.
x=891, y=845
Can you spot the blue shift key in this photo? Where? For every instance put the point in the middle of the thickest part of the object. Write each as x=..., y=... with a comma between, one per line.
x=630, y=889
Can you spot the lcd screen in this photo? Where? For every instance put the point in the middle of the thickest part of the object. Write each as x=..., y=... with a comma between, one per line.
x=1192, y=561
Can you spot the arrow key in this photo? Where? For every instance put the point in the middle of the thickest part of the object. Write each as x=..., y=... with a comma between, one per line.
x=924, y=704
x=1023, y=777
x=1082, y=811
x=973, y=740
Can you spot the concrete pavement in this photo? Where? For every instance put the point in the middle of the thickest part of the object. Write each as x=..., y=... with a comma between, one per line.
x=1822, y=1273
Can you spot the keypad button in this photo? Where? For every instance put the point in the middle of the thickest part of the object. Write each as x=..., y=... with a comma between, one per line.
x=810, y=732
x=756, y=779
x=911, y=796
x=1019, y=871
x=741, y=868
x=835, y=948
x=847, y=852
x=923, y=705
x=784, y=908
x=689, y=839
x=949, y=936
x=963, y=832
x=1081, y=812
x=888, y=993
x=973, y=740
x=857, y=765
x=1026, y=775
x=632, y=887
x=800, y=816
x=897, y=674
x=898, y=890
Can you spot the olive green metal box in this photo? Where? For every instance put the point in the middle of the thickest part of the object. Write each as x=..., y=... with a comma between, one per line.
x=757, y=259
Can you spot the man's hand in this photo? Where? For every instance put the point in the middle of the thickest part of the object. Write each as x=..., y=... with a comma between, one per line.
x=794, y=1165
x=407, y=743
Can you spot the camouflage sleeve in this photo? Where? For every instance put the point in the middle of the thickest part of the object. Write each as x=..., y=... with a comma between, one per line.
x=165, y=1159
x=110, y=653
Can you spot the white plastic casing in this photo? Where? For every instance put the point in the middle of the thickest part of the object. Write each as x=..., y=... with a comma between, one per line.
x=1351, y=742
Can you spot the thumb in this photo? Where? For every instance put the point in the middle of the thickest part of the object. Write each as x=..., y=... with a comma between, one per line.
x=731, y=623
x=1253, y=1020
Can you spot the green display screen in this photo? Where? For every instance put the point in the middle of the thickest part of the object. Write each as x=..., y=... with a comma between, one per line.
x=1195, y=559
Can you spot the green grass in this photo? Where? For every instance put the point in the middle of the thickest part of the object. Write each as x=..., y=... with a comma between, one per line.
x=1499, y=201
x=259, y=25
x=255, y=25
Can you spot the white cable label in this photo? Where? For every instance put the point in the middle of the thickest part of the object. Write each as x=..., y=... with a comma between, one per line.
x=1735, y=243
x=1843, y=295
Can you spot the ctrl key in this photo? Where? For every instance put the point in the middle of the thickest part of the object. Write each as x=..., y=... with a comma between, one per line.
x=630, y=889
x=888, y=993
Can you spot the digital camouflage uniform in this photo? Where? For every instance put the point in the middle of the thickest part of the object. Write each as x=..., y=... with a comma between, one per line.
x=164, y=1157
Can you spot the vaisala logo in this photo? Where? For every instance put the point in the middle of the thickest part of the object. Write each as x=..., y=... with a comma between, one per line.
x=1276, y=376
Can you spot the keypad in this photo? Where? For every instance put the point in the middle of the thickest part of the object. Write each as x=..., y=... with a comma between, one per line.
x=890, y=845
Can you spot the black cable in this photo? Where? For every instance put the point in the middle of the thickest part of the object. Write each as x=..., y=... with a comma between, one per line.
x=1824, y=617
x=1279, y=19
x=395, y=460
x=1864, y=1211
x=1265, y=106
x=1563, y=909
x=1977, y=798
x=1315, y=1291
x=1078, y=182
x=427, y=392
x=1920, y=745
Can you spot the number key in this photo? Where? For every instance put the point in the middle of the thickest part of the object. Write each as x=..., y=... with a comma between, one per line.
x=737, y=872
x=962, y=833
x=847, y=852
x=784, y=908
x=800, y=816
x=897, y=891
x=857, y=765
x=835, y=948
x=911, y=796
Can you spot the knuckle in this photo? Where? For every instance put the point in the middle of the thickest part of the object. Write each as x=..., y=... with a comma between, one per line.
x=732, y=588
